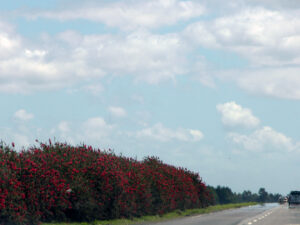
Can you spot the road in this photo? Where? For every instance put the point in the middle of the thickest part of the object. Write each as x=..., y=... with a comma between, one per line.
x=281, y=215
x=270, y=214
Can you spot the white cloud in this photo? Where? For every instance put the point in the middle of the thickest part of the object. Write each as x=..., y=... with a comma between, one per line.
x=66, y=133
x=268, y=39
x=196, y=134
x=19, y=134
x=94, y=89
x=117, y=111
x=26, y=68
x=21, y=140
x=63, y=127
x=253, y=34
x=160, y=133
x=35, y=53
x=130, y=14
x=279, y=4
x=235, y=115
x=9, y=41
x=276, y=82
x=264, y=139
x=7, y=44
x=23, y=115
x=69, y=59
x=95, y=129
x=148, y=57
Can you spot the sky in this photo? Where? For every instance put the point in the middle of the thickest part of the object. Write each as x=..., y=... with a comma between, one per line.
x=210, y=86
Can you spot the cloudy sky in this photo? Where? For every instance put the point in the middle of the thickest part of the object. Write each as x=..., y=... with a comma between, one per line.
x=206, y=85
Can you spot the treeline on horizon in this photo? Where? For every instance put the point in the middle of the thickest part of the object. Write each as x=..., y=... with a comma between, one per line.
x=224, y=195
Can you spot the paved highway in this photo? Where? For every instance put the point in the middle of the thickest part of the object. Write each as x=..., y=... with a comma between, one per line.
x=281, y=215
x=269, y=214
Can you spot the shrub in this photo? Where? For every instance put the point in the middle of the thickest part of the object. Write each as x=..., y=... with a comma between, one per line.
x=66, y=183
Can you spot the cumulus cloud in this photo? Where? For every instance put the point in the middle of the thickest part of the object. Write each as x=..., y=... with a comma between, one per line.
x=276, y=82
x=252, y=33
x=63, y=127
x=27, y=67
x=277, y=4
x=21, y=140
x=267, y=38
x=23, y=115
x=129, y=15
x=65, y=132
x=235, y=115
x=96, y=129
x=9, y=41
x=147, y=57
x=117, y=111
x=19, y=134
x=69, y=59
x=160, y=133
x=264, y=139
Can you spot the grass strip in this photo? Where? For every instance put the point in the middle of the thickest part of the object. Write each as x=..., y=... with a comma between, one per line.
x=167, y=216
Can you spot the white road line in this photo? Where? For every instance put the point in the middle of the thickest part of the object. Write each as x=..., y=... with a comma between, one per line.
x=262, y=217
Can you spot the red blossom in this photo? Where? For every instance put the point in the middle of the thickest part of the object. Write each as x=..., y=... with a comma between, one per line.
x=58, y=179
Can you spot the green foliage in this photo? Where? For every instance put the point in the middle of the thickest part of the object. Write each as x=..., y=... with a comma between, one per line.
x=224, y=195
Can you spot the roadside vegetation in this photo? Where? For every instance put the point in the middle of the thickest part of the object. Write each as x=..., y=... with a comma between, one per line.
x=64, y=183
x=59, y=182
x=224, y=195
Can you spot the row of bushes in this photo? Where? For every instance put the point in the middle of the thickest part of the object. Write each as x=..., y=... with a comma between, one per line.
x=66, y=183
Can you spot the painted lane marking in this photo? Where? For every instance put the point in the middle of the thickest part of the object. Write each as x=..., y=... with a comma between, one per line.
x=262, y=217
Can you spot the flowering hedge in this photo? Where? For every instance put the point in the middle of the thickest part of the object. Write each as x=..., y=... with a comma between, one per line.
x=66, y=183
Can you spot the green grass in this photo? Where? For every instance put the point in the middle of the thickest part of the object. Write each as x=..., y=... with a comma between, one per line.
x=167, y=216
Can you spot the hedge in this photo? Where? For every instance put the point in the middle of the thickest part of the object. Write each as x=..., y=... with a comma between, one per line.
x=79, y=183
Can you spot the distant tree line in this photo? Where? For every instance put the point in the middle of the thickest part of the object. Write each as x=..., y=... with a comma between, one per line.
x=224, y=195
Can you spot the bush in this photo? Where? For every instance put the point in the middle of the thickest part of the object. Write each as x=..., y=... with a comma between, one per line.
x=66, y=183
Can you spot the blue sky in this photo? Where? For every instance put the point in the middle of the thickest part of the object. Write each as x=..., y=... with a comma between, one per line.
x=209, y=86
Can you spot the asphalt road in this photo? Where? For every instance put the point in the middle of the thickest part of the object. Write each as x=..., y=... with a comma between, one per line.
x=269, y=214
x=281, y=215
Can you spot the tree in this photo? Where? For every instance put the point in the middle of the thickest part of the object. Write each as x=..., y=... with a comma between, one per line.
x=262, y=195
x=225, y=195
x=247, y=196
x=213, y=192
